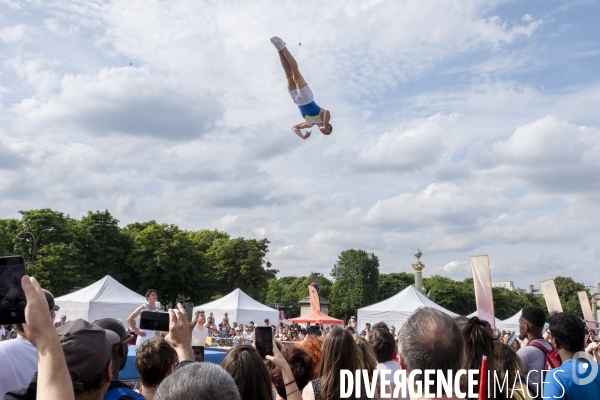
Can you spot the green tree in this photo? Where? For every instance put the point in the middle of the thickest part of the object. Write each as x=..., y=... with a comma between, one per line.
x=204, y=238
x=356, y=275
x=391, y=284
x=9, y=229
x=289, y=290
x=167, y=260
x=567, y=290
x=35, y=221
x=104, y=246
x=450, y=294
x=238, y=263
x=58, y=268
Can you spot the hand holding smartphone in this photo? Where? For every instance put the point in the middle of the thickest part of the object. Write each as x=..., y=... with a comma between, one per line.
x=12, y=296
x=264, y=341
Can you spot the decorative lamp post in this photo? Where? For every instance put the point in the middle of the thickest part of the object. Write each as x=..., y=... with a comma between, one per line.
x=36, y=240
x=418, y=267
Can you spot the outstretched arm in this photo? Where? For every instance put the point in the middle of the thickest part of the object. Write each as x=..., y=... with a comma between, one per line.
x=302, y=125
x=131, y=321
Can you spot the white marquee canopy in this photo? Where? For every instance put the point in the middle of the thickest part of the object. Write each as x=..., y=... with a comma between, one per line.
x=106, y=298
x=396, y=310
x=240, y=308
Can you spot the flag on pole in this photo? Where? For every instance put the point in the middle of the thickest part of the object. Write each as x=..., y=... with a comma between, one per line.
x=315, y=303
x=587, y=309
x=482, y=280
x=551, y=296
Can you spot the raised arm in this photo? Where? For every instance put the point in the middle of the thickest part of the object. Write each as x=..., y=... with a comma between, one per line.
x=54, y=382
x=302, y=125
x=131, y=321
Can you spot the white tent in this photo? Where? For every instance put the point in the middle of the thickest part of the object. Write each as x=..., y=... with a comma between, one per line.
x=106, y=298
x=498, y=321
x=396, y=310
x=240, y=308
x=512, y=323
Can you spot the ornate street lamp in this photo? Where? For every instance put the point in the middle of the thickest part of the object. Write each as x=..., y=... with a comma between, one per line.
x=21, y=236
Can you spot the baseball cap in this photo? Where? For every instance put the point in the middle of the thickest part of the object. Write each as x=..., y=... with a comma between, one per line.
x=353, y=317
x=237, y=328
x=87, y=349
x=115, y=326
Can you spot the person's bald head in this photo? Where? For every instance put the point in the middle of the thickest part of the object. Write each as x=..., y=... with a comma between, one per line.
x=431, y=339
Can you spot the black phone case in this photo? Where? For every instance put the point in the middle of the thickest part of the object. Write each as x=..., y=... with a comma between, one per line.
x=264, y=342
x=154, y=321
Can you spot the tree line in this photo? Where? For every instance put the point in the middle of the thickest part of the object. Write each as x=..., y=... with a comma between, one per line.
x=358, y=283
x=199, y=266
x=194, y=266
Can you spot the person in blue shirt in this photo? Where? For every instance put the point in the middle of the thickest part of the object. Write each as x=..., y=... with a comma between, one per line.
x=578, y=377
x=301, y=94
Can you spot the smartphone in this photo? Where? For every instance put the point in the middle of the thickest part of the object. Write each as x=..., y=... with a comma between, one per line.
x=512, y=338
x=154, y=321
x=12, y=296
x=264, y=340
x=314, y=330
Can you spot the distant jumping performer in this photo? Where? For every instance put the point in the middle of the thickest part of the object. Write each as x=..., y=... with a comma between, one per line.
x=301, y=94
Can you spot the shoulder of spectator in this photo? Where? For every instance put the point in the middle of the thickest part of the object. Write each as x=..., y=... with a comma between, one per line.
x=183, y=364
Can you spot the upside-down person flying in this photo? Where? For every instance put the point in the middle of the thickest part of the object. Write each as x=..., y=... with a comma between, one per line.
x=301, y=94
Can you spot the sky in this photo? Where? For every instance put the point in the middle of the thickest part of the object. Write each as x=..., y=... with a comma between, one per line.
x=460, y=127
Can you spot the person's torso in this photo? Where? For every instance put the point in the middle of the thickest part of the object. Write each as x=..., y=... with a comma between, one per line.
x=199, y=336
x=19, y=363
x=568, y=379
x=534, y=359
x=119, y=391
x=311, y=113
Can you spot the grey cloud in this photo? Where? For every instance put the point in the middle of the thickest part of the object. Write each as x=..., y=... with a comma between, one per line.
x=246, y=198
x=125, y=101
x=452, y=172
x=549, y=155
x=10, y=159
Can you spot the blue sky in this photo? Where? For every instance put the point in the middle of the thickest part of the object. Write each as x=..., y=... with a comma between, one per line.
x=460, y=127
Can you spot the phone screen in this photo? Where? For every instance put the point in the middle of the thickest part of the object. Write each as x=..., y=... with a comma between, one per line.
x=154, y=321
x=512, y=338
x=264, y=340
x=12, y=296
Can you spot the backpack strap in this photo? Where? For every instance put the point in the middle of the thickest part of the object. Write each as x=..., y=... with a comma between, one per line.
x=552, y=358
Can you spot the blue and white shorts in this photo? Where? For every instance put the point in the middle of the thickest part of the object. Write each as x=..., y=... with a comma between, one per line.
x=302, y=96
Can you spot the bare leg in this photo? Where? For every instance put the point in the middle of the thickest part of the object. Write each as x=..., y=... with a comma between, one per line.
x=297, y=76
x=288, y=72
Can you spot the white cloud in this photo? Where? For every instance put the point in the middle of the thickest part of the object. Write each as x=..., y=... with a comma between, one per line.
x=440, y=138
x=16, y=33
x=124, y=101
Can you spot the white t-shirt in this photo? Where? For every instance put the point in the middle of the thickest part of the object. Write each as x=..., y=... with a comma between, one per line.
x=149, y=334
x=199, y=336
x=2, y=332
x=390, y=366
x=19, y=363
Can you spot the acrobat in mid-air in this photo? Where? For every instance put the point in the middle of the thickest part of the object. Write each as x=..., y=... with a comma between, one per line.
x=301, y=94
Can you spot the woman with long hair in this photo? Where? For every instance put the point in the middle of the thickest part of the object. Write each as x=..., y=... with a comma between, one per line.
x=313, y=345
x=339, y=352
x=508, y=365
x=249, y=373
x=252, y=377
x=479, y=342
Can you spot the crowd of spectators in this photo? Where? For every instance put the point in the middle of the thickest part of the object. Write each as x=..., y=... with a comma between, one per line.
x=81, y=360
